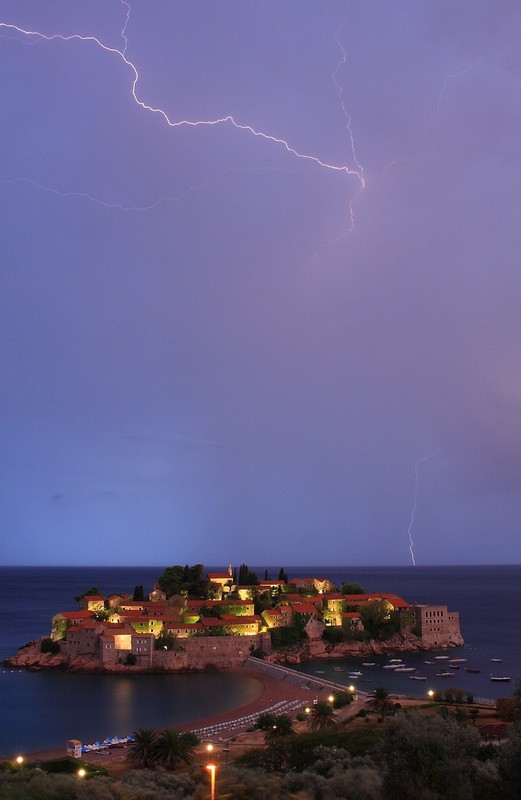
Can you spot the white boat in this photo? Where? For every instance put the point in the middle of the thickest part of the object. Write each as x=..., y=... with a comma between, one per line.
x=440, y=658
x=459, y=660
x=390, y=666
x=497, y=660
x=428, y=662
x=369, y=663
x=444, y=674
x=395, y=660
x=499, y=678
x=417, y=678
x=354, y=674
x=405, y=669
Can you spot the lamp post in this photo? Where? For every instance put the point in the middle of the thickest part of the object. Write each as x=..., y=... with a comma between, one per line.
x=212, y=768
x=226, y=750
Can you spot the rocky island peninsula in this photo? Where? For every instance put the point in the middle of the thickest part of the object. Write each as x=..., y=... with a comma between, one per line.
x=191, y=622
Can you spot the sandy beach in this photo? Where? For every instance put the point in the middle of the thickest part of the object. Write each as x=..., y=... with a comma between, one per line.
x=270, y=691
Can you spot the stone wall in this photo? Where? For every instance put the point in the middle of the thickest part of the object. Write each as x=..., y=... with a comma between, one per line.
x=221, y=652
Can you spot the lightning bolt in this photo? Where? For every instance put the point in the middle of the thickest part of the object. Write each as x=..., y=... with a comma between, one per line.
x=445, y=83
x=415, y=505
x=227, y=119
x=152, y=206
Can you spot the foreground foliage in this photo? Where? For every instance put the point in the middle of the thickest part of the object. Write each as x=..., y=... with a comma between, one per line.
x=413, y=757
x=168, y=749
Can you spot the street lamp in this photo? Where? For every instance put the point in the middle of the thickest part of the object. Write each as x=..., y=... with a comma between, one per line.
x=226, y=750
x=19, y=760
x=82, y=772
x=431, y=693
x=212, y=768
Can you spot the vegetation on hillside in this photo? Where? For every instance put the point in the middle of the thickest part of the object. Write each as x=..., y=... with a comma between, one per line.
x=408, y=757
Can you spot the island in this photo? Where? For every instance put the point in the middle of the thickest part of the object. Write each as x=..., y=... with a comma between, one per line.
x=191, y=622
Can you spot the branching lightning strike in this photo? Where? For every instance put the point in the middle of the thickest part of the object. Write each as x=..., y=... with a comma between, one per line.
x=356, y=172
x=446, y=80
x=415, y=505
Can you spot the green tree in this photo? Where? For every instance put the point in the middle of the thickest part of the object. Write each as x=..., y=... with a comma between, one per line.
x=427, y=758
x=280, y=730
x=333, y=634
x=321, y=716
x=48, y=645
x=165, y=641
x=247, y=577
x=351, y=588
x=265, y=721
x=92, y=591
x=142, y=751
x=286, y=636
x=283, y=575
x=184, y=580
x=139, y=593
x=380, y=702
x=210, y=611
x=174, y=747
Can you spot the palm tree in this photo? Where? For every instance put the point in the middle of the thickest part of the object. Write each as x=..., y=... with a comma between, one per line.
x=142, y=751
x=380, y=701
x=173, y=747
x=281, y=728
x=321, y=717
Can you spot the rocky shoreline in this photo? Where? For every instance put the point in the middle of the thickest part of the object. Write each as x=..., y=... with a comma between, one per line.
x=30, y=657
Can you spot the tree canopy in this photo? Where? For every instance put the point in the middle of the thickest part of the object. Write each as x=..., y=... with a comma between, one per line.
x=184, y=580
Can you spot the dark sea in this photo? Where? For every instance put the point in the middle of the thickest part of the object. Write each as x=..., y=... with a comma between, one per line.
x=41, y=710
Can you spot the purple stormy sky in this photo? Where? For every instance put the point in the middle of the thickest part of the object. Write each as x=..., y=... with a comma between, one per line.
x=214, y=348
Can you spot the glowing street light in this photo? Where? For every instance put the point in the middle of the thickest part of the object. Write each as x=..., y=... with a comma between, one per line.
x=351, y=688
x=331, y=698
x=82, y=772
x=431, y=693
x=212, y=768
x=19, y=760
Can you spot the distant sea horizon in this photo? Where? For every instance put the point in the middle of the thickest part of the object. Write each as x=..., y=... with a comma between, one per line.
x=41, y=710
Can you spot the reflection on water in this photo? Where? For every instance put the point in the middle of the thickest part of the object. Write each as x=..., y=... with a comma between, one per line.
x=45, y=709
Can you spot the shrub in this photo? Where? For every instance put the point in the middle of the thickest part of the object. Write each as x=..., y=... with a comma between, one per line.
x=333, y=635
x=49, y=646
x=342, y=699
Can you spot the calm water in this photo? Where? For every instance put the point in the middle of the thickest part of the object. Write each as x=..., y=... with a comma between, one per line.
x=44, y=709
